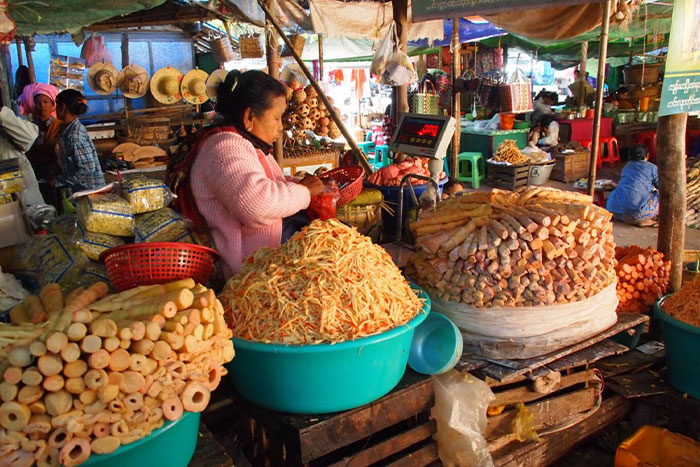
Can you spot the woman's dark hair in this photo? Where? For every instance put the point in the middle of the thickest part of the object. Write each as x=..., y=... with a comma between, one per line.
x=545, y=120
x=240, y=91
x=22, y=79
x=638, y=152
x=73, y=100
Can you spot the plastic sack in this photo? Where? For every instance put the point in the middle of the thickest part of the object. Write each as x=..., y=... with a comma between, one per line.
x=527, y=332
x=393, y=66
x=164, y=225
x=94, y=272
x=461, y=401
x=94, y=51
x=40, y=216
x=493, y=124
x=11, y=178
x=323, y=206
x=383, y=52
x=11, y=291
x=146, y=194
x=63, y=225
x=58, y=260
x=106, y=213
x=93, y=244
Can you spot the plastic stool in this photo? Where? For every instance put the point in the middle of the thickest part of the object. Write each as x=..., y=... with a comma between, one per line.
x=381, y=155
x=367, y=146
x=648, y=139
x=611, y=155
x=471, y=168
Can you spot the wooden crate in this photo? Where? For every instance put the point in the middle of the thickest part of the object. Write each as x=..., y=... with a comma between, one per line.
x=510, y=177
x=570, y=167
x=394, y=430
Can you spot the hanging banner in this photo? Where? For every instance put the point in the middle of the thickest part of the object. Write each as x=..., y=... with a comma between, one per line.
x=423, y=10
x=681, y=88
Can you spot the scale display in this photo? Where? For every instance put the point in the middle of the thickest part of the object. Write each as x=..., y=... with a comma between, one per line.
x=423, y=135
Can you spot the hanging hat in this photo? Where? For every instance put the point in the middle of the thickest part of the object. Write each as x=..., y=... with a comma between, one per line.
x=133, y=81
x=165, y=85
x=102, y=78
x=194, y=86
x=217, y=77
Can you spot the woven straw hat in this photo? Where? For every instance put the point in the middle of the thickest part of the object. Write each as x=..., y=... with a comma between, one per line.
x=194, y=86
x=133, y=81
x=102, y=78
x=165, y=85
x=217, y=77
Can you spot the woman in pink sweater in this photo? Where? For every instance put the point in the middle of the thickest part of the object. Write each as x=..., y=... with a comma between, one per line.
x=238, y=188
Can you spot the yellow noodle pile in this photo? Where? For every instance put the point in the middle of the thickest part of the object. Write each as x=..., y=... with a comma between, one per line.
x=326, y=284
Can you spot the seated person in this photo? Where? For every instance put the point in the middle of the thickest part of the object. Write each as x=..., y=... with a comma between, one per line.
x=621, y=98
x=636, y=198
x=546, y=133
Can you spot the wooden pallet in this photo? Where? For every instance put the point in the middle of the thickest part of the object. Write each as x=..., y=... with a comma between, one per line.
x=509, y=177
x=394, y=430
x=209, y=453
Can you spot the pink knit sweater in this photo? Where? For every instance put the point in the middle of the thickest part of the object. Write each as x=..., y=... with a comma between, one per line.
x=243, y=207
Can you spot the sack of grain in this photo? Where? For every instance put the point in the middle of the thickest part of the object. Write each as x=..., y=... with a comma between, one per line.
x=93, y=244
x=146, y=194
x=164, y=225
x=106, y=213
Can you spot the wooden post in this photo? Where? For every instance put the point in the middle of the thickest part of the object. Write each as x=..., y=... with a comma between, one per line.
x=456, y=97
x=582, y=73
x=5, y=78
x=400, y=8
x=273, y=69
x=670, y=150
x=28, y=49
x=320, y=58
x=20, y=59
x=602, y=57
x=125, y=63
x=362, y=159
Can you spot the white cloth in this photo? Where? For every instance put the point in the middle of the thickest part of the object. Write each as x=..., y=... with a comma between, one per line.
x=365, y=20
x=22, y=133
x=552, y=138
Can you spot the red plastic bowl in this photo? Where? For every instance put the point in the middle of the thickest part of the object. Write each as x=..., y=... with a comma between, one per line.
x=351, y=174
x=129, y=266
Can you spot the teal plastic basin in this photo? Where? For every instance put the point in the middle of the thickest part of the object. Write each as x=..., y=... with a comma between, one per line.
x=682, y=345
x=436, y=347
x=173, y=445
x=323, y=378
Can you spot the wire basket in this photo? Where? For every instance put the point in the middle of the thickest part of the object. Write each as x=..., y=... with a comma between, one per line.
x=138, y=264
x=349, y=180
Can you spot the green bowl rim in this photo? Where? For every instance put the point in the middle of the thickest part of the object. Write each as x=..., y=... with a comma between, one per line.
x=454, y=359
x=659, y=311
x=128, y=447
x=239, y=343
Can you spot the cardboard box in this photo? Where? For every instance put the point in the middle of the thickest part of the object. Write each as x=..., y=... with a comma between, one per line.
x=13, y=230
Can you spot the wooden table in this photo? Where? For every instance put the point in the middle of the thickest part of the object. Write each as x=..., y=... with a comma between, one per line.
x=581, y=129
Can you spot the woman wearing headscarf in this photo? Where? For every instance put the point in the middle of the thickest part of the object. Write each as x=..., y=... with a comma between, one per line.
x=43, y=153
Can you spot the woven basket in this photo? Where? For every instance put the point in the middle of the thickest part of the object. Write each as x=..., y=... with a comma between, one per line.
x=222, y=50
x=298, y=43
x=251, y=45
x=364, y=218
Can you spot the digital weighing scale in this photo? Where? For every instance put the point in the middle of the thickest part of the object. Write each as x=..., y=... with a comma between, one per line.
x=421, y=136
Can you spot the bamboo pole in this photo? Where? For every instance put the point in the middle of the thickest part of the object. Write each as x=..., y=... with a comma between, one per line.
x=602, y=57
x=20, y=59
x=362, y=159
x=28, y=49
x=582, y=74
x=670, y=150
x=400, y=10
x=273, y=69
x=456, y=98
x=5, y=77
x=320, y=58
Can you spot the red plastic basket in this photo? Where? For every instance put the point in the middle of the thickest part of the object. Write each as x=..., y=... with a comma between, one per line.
x=137, y=264
x=351, y=174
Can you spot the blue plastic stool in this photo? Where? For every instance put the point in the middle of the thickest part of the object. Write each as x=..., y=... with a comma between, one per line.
x=368, y=146
x=471, y=168
x=381, y=156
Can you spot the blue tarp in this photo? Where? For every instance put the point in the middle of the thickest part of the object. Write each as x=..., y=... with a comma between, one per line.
x=468, y=32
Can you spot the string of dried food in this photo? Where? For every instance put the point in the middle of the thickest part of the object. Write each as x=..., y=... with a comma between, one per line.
x=326, y=284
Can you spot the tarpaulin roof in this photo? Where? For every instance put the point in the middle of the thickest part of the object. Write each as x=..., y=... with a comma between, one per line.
x=468, y=32
x=652, y=19
x=57, y=16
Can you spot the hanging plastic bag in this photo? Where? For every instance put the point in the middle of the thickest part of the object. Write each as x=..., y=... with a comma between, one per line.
x=392, y=65
x=95, y=51
x=461, y=401
x=323, y=205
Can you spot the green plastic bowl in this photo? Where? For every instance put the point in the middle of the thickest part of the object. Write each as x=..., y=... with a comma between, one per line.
x=173, y=445
x=437, y=346
x=682, y=345
x=323, y=378
x=521, y=125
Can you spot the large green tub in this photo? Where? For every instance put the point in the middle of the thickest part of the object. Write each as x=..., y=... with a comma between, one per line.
x=173, y=445
x=323, y=378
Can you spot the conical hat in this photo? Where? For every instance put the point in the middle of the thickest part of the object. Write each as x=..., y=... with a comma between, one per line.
x=133, y=81
x=216, y=78
x=165, y=85
x=194, y=86
x=102, y=78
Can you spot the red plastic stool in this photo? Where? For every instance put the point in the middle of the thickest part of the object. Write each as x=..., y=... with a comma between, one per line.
x=612, y=151
x=648, y=139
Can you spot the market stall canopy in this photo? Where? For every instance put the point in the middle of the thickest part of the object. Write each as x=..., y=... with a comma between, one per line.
x=648, y=31
x=56, y=16
x=469, y=31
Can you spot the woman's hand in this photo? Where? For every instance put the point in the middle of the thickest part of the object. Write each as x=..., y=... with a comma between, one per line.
x=314, y=184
